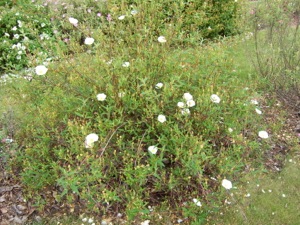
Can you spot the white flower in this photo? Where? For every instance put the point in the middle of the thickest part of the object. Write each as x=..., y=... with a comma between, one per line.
x=121, y=17
x=215, y=98
x=248, y=195
x=19, y=57
x=14, y=28
x=227, y=184
x=73, y=21
x=161, y=39
x=180, y=105
x=254, y=102
x=121, y=94
x=197, y=202
x=152, y=149
x=16, y=36
x=84, y=219
x=41, y=70
x=263, y=134
x=283, y=195
x=187, y=96
x=90, y=139
x=108, y=62
x=134, y=12
x=146, y=222
x=230, y=130
x=190, y=103
x=227, y=202
x=89, y=41
x=43, y=24
x=7, y=35
x=185, y=111
x=161, y=118
x=126, y=64
x=101, y=97
x=258, y=111
x=19, y=23
x=90, y=220
x=159, y=85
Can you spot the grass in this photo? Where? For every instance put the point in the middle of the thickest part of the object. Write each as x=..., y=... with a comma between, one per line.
x=52, y=116
x=274, y=198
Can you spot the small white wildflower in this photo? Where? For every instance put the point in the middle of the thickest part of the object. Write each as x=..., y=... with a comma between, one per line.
x=84, y=220
x=16, y=36
x=73, y=21
x=190, y=103
x=254, y=102
x=134, y=12
x=227, y=202
x=14, y=28
x=126, y=64
x=43, y=24
x=270, y=190
x=19, y=57
x=283, y=195
x=89, y=41
x=263, y=191
x=109, y=62
x=226, y=184
x=7, y=35
x=215, y=98
x=90, y=139
x=197, y=202
x=258, y=111
x=161, y=118
x=248, y=195
x=152, y=149
x=104, y=222
x=101, y=97
x=263, y=134
x=185, y=111
x=179, y=220
x=161, y=39
x=230, y=130
x=90, y=220
x=159, y=85
x=181, y=105
x=121, y=17
x=19, y=23
x=41, y=70
x=121, y=94
x=146, y=222
x=187, y=96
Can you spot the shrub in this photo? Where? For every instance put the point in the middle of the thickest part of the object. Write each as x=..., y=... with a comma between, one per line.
x=106, y=127
x=278, y=28
x=27, y=37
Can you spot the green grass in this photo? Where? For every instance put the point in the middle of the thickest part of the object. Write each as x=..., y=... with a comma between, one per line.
x=274, y=198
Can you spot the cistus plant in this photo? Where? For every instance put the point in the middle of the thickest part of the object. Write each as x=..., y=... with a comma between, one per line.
x=27, y=37
x=133, y=122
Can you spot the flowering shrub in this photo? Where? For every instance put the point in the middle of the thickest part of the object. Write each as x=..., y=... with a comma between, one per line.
x=24, y=36
x=131, y=121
